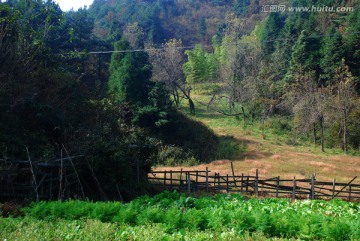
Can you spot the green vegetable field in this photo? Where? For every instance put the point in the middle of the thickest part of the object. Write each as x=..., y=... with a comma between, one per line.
x=174, y=216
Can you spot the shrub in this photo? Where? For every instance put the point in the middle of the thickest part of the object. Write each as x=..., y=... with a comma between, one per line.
x=229, y=148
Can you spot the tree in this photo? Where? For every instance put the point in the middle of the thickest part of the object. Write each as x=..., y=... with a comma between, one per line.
x=134, y=35
x=241, y=7
x=130, y=74
x=308, y=103
x=344, y=99
x=34, y=92
x=167, y=64
x=332, y=53
x=352, y=41
x=202, y=26
x=9, y=35
x=238, y=60
x=270, y=33
x=196, y=69
x=304, y=55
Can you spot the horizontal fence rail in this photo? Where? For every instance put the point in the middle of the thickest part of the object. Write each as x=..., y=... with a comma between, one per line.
x=311, y=188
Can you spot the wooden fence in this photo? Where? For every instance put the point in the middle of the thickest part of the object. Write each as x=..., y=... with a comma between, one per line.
x=192, y=181
x=60, y=179
x=35, y=180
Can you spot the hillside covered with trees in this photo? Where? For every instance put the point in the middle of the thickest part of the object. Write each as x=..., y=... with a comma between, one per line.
x=107, y=82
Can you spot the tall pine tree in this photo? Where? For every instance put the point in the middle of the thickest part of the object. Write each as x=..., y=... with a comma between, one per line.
x=353, y=46
x=332, y=53
x=130, y=74
x=270, y=32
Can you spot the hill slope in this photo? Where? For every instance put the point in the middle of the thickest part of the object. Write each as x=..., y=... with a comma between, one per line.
x=270, y=154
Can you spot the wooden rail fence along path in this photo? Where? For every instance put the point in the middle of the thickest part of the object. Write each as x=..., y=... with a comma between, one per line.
x=192, y=181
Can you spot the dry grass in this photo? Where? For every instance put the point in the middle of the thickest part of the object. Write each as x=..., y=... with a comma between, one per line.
x=274, y=159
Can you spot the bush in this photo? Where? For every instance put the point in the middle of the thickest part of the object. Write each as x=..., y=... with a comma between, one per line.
x=279, y=125
x=229, y=148
x=170, y=155
x=190, y=135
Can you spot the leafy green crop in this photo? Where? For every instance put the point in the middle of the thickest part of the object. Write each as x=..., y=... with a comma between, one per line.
x=176, y=213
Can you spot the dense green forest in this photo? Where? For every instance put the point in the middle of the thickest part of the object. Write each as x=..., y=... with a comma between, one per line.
x=61, y=88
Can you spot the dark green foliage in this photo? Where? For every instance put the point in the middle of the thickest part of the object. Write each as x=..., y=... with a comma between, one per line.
x=119, y=153
x=354, y=131
x=270, y=33
x=200, y=66
x=189, y=137
x=53, y=98
x=304, y=53
x=332, y=53
x=161, y=20
x=192, y=136
x=45, y=108
x=352, y=40
x=229, y=148
x=241, y=7
x=130, y=74
x=36, y=94
x=202, y=26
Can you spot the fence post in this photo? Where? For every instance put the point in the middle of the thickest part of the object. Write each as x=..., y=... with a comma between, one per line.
x=247, y=185
x=227, y=183
x=313, y=186
x=188, y=182
x=181, y=181
x=242, y=182
x=219, y=181
x=257, y=183
x=277, y=186
x=294, y=189
x=196, y=180
x=164, y=179
x=171, y=181
x=215, y=179
x=333, y=191
x=233, y=173
x=349, y=193
x=207, y=179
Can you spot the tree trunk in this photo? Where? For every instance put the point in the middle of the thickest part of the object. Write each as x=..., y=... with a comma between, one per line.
x=176, y=96
x=187, y=96
x=315, y=135
x=192, y=106
x=252, y=115
x=345, y=144
x=322, y=133
x=243, y=111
